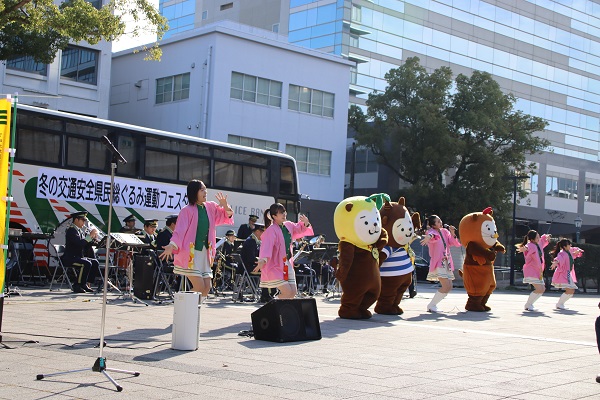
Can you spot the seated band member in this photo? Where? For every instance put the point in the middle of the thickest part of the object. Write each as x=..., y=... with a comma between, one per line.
x=129, y=226
x=164, y=236
x=148, y=234
x=245, y=230
x=249, y=254
x=76, y=242
x=228, y=248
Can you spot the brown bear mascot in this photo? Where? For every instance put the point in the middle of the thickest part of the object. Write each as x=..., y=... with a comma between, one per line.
x=396, y=260
x=357, y=223
x=478, y=233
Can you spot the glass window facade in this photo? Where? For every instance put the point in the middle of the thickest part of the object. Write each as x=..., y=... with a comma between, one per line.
x=310, y=160
x=552, y=65
x=180, y=15
x=561, y=186
x=27, y=64
x=256, y=90
x=79, y=64
x=173, y=88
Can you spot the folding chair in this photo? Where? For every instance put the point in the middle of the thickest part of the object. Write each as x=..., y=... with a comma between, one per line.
x=59, y=251
x=244, y=282
x=164, y=278
x=112, y=270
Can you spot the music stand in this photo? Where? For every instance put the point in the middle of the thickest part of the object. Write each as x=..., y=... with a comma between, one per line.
x=132, y=241
x=100, y=364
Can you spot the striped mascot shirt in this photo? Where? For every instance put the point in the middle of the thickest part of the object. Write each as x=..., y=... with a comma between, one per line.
x=397, y=262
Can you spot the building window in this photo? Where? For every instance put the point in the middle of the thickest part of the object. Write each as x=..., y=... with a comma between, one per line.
x=365, y=160
x=79, y=64
x=311, y=101
x=275, y=28
x=592, y=191
x=312, y=161
x=204, y=15
x=226, y=6
x=27, y=64
x=252, y=142
x=356, y=13
x=561, y=186
x=353, y=75
x=173, y=88
x=353, y=41
x=257, y=90
x=95, y=3
x=531, y=184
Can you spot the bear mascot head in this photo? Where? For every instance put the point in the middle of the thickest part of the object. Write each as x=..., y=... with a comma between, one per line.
x=396, y=260
x=479, y=234
x=399, y=223
x=357, y=224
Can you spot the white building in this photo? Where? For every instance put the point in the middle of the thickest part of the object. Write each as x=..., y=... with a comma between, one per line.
x=234, y=83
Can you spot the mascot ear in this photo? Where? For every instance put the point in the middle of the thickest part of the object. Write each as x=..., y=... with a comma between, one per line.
x=416, y=220
x=402, y=201
x=475, y=216
x=349, y=207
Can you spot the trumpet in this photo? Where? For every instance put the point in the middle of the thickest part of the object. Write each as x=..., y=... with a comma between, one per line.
x=89, y=227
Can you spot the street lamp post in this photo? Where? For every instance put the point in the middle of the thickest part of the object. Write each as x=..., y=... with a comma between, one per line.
x=352, y=168
x=578, y=222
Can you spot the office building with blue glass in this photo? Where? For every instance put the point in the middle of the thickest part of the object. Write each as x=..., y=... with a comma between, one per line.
x=546, y=53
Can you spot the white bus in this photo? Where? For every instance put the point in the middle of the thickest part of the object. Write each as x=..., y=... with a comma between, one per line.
x=61, y=166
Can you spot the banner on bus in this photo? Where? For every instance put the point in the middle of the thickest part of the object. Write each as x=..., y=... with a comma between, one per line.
x=84, y=187
x=5, y=112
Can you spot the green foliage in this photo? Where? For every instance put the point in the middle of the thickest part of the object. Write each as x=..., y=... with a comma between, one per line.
x=455, y=142
x=40, y=28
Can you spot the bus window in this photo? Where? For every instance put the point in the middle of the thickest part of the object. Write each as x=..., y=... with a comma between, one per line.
x=98, y=158
x=127, y=148
x=194, y=168
x=38, y=146
x=287, y=182
x=201, y=151
x=228, y=175
x=255, y=179
x=85, y=153
x=241, y=157
x=86, y=130
x=161, y=165
x=162, y=144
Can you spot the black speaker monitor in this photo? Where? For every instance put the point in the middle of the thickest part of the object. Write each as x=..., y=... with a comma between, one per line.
x=287, y=320
x=143, y=277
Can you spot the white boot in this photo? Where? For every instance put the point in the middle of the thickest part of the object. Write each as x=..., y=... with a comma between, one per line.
x=561, y=302
x=532, y=299
x=432, y=306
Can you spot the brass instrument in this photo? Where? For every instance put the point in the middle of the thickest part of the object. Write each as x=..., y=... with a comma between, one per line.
x=218, y=270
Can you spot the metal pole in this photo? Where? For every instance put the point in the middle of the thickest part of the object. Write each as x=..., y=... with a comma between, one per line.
x=352, y=168
x=514, y=232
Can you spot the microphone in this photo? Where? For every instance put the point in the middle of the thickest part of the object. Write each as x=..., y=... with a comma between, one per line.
x=448, y=226
x=113, y=150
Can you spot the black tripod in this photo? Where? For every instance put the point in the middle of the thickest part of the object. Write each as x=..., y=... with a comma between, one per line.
x=100, y=364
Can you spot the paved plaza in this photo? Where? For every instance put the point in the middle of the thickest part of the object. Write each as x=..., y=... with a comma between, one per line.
x=504, y=354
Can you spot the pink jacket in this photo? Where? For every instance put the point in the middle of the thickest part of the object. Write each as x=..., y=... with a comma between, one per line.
x=184, y=235
x=533, y=267
x=272, y=247
x=563, y=268
x=436, y=248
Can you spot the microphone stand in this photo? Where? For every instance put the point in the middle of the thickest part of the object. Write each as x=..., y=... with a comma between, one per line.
x=100, y=364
